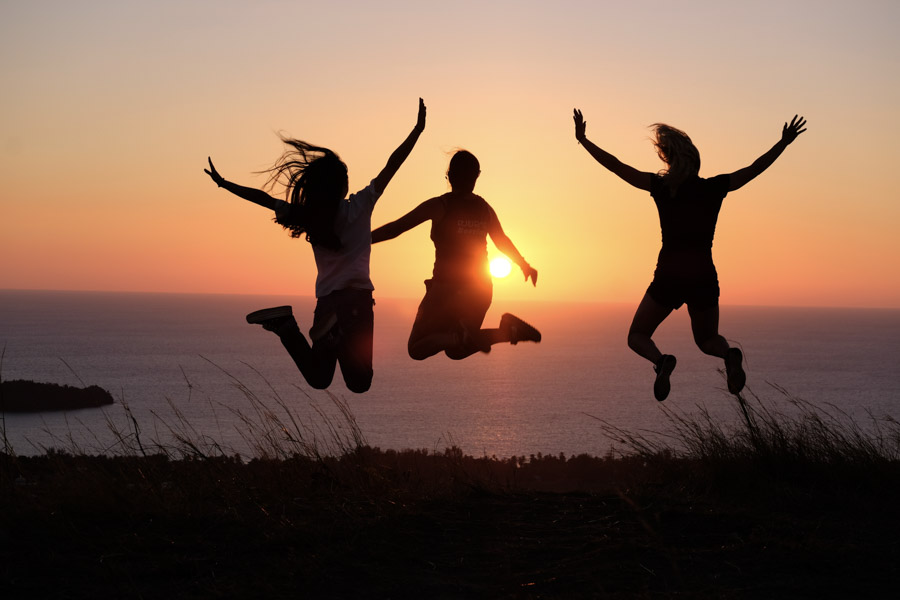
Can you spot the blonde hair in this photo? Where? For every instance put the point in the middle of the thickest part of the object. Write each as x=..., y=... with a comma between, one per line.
x=677, y=150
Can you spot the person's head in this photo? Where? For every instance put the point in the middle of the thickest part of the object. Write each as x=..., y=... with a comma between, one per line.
x=463, y=171
x=677, y=150
x=315, y=181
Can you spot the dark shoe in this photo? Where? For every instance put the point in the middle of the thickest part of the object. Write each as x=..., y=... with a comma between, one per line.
x=734, y=372
x=273, y=319
x=518, y=330
x=664, y=367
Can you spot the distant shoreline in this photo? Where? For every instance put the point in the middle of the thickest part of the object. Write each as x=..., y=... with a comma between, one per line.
x=21, y=396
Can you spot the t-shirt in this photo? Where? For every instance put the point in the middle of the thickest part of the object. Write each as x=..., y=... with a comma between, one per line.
x=460, y=239
x=349, y=266
x=688, y=220
x=688, y=223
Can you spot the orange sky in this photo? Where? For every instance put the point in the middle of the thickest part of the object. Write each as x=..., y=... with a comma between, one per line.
x=109, y=110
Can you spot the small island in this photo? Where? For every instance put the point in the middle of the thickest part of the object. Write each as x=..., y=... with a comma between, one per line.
x=19, y=395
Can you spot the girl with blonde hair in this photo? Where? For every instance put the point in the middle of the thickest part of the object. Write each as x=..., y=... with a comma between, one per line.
x=688, y=207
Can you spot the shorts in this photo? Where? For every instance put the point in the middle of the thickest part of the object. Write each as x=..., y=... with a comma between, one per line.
x=673, y=293
x=447, y=304
x=685, y=276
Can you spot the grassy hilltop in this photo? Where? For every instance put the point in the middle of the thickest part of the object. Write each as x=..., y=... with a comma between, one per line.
x=772, y=507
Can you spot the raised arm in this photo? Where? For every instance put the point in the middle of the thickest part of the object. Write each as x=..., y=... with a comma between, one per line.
x=247, y=193
x=428, y=210
x=399, y=155
x=630, y=175
x=505, y=245
x=789, y=133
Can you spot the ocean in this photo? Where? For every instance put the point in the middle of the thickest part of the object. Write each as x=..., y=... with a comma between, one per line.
x=191, y=364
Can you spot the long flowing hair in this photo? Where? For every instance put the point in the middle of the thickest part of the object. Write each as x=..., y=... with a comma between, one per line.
x=677, y=150
x=315, y=181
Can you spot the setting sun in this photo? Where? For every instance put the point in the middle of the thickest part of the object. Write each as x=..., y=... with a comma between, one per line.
x=500, y=267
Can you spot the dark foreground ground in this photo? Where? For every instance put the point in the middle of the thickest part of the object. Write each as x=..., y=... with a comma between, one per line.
x=418, y=525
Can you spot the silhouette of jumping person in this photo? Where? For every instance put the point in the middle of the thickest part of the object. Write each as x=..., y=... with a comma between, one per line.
x=688, y=208
x=339, y=230
x=458, y=295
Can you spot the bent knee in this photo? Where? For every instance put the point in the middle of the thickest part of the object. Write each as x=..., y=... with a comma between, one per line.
x=457, y=353
x=359, y=387
x=714, y=346
x=703, y=343
x=416, y=353
x=420, y=351
x=635, y=338
x=319, y=383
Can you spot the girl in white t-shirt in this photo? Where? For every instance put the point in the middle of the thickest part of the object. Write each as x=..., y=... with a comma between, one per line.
x=339, y=230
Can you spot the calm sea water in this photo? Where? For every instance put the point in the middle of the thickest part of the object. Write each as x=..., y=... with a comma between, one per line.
x=191, y=359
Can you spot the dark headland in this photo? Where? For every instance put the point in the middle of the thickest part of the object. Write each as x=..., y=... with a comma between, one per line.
x=19, y=395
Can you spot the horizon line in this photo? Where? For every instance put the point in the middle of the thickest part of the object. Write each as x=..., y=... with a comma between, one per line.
x=418, y=297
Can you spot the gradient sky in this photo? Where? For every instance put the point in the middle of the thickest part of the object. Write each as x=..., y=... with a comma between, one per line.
x=109, y=110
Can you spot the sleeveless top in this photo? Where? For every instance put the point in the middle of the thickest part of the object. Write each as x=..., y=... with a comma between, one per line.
x=460, y=239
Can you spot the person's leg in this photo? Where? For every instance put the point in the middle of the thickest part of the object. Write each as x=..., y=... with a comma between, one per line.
x=356, y=319
x=512, y=330
x=433, y=331
x=705, y=326
x=316, y=364
x=647, y=318
x=427, y=339
x=469, y=340
x=450, y=318
x=468, y=307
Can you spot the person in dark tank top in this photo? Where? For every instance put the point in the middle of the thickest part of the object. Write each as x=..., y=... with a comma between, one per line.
x=459, y=293
x=688, y=207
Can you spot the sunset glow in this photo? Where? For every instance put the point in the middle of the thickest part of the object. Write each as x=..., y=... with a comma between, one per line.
x=500, y=267
x=111, y=109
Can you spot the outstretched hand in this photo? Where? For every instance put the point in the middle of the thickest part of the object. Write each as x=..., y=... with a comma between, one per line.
x=580, y=125
x=213, y=174
x=531, y=272
x=790, y=132
x=420, y=120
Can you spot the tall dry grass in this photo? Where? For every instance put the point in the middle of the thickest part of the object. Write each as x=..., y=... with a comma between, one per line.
x=271, y=426
x=786, y=429
x=782, y=443
x=783, y=437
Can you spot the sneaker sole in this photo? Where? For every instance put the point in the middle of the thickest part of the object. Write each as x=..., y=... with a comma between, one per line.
x=520, y=331
x=260, y=316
